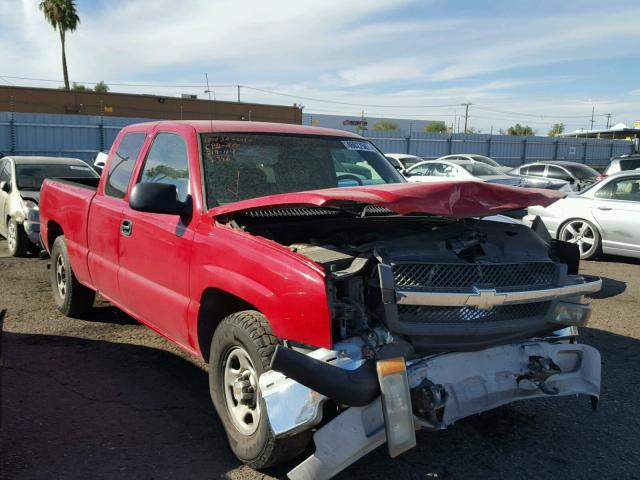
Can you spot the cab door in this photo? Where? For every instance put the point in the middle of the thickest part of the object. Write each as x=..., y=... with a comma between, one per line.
x=105, y=216
x=155, y=249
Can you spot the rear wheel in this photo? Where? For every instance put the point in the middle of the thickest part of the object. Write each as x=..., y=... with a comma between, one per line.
x=584, y=234
x=71, y=297
x=241, y=350
x=17, y=240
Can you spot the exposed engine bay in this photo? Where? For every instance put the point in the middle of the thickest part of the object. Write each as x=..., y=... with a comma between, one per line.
x=368, y=257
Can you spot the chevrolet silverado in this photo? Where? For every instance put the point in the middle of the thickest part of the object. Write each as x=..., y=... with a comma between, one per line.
x=332, y=300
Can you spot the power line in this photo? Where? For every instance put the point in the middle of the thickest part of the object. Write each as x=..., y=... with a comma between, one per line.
x=520, y=114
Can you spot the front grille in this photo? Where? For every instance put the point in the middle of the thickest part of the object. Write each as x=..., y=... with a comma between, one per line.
x=454, y=277
x=465, y=315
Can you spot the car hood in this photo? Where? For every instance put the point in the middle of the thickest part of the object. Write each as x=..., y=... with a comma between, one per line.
x=449, y=199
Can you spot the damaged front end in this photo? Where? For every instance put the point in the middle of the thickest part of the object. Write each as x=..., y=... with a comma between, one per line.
x=433, y=319
x=442, y=389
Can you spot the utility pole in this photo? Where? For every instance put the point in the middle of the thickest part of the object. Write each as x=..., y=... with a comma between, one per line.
x=238, y=93
x=466, y=115
x=608, y=115
x=592, y=111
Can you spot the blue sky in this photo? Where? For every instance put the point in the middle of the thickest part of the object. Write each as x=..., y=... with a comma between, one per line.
x=536, y=62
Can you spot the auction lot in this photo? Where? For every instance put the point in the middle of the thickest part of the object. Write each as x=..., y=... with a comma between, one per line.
x=104, y=397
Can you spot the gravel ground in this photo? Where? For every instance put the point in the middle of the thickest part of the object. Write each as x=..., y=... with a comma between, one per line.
x=104, y=397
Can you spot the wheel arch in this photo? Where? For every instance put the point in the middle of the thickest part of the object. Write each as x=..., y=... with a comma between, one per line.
x=215, y=305
x=54, y=230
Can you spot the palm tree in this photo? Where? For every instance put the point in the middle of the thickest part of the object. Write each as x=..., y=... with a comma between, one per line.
x=62, y=16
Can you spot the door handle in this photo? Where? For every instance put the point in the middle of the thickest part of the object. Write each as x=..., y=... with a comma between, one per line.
x=604, y=208
x=126, y=227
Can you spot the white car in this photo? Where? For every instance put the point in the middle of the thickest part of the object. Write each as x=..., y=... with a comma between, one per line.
x=456, y=170
x=472, y=157
x=600, y=219
x=402, y=161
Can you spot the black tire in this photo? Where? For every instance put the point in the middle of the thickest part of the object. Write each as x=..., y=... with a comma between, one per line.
x=71, y=297
x=249, y=330
x=17, y=240
x=572, y=227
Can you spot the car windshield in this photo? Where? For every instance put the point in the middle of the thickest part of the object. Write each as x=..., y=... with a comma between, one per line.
x=485, y=160
x=30, y=176
x=581, y=171
x=479, y=169
x=239, y=166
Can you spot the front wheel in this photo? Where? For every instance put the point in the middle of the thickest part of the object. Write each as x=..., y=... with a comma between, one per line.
x=17, y=240
x=241, y=350
x=71, y=297
x=584, y=234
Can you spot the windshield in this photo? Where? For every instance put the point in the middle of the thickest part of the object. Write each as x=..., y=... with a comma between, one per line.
x=479, y=169
x=410, y=161
x=239, y=166
x=581, y=171
x=31, y=176
x=485, y=160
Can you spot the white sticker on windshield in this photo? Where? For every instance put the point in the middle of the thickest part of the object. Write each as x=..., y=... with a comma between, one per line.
x=78, y=167
x=356, y=145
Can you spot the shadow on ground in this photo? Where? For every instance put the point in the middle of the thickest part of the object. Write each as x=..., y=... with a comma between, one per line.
x=77, y=408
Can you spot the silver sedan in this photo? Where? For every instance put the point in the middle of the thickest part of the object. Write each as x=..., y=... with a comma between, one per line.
x=601, y=219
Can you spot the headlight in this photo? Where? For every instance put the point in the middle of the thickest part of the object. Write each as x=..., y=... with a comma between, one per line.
x=575, y=314
x=32, y=210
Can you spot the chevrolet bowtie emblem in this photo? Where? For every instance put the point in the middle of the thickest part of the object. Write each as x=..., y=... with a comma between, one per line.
x=485, y=299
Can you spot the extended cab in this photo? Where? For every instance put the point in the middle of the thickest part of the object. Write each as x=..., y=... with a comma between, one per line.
x=302, y=267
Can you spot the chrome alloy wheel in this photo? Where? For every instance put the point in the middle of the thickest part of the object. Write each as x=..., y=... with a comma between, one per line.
x=12, y=236
x=61, y=276
x=582, y=234
x=241, y=390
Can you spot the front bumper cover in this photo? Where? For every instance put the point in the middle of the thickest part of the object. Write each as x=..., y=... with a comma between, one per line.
x=472, y=382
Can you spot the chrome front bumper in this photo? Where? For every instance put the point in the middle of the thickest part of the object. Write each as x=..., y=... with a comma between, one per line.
x=474, y=382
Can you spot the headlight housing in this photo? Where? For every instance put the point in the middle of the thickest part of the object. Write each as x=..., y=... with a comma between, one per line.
x=572, y=314
x=31, y=209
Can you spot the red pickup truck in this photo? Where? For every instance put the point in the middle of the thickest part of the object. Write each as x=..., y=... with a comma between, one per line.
x=326, y=294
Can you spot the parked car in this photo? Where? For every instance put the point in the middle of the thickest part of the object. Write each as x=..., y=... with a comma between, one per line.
x=472, y=157
x=600, y=219
x=556, y=175
x=402, y=161
x=456, y=170
x=20, y=182
x=621, y=164
x=235, y=241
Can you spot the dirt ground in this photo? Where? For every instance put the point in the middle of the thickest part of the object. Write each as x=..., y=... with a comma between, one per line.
x=104, y=397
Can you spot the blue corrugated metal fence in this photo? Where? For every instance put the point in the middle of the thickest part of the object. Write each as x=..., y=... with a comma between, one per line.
x=83, y=136
x=505, y=149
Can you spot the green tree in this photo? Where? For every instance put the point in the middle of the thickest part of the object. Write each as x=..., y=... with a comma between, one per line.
x=101, y=87
x=385, y=125
x=78, y=87
x=556, y=129
x=521, y=130
x=436, y=127
x=63, y=17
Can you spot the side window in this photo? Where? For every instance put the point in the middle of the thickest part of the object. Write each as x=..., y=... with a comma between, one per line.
x=557, y=173
x=122, y=164
x=5, y=171
x=629, y=164
x=626, y=189
x=535, y=170
x=168, y=162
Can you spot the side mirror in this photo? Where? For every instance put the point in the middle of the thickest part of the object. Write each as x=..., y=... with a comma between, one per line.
x=5, y=187
x=159, y=198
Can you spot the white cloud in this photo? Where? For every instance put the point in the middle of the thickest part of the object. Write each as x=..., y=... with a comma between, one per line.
x=332, y=49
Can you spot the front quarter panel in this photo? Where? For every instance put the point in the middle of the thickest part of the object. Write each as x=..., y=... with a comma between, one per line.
x=289, y=290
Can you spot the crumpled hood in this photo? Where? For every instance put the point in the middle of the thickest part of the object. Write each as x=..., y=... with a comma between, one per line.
x=448, y=199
